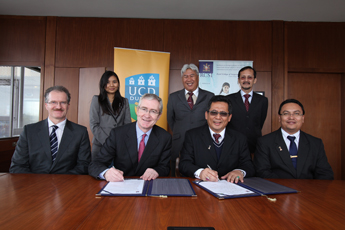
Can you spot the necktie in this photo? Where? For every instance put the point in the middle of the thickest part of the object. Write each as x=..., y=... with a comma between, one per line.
x=141, y=147
x=190, y=100
x=246, y=101
x=293, y=150
x=53, y=142
x=216, y=137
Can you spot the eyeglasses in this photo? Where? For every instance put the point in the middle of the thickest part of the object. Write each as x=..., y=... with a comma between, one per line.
x=243, y=78
x=152, y=112
x=55, y=103
x=215, y=113
x=294, y=114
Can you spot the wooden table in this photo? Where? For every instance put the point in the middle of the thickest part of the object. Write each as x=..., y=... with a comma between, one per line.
x=31, y=201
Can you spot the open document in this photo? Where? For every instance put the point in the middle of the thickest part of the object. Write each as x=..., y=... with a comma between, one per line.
x=126, y=187
x=159, y=187
x=253, y=186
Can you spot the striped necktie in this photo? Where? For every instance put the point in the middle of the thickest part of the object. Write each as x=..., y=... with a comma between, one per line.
x=53, y=142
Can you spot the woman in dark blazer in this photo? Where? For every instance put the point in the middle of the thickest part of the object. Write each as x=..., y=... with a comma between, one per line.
x=107, y=111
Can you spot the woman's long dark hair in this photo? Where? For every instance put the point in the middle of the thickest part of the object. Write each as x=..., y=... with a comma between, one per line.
x=103, y=95
x=224, y=84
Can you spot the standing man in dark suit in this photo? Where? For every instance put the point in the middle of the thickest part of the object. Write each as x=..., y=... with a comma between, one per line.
x=249, y=108
x=186, y=109
x=289, y=152
x=54, y=145
x=212, y=151
x=137, y=149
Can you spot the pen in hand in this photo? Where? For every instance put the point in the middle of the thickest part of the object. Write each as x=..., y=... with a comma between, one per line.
x=212, y=170
x=121, y=176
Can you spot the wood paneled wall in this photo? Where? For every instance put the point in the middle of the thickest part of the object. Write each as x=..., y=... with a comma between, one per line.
x=280, y=50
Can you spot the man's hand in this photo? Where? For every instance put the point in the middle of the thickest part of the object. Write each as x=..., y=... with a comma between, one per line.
x=234, y=176
x=150, y=174
x=209, y=175
x=113, y=175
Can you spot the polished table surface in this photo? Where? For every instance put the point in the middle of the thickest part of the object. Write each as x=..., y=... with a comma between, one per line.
x=32, y=201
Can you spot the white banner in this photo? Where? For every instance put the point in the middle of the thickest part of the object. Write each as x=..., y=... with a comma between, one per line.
x=220, y=77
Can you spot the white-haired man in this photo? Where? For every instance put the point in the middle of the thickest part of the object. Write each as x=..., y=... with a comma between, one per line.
x=186, y=109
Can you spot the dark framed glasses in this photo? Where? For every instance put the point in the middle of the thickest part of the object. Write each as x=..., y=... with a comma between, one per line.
x=215, y=113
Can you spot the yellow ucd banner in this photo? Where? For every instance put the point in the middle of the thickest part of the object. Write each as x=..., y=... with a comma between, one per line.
x=140, y=72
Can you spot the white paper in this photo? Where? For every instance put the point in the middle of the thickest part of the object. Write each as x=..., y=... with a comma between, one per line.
x=129, y=186
x=224, y=188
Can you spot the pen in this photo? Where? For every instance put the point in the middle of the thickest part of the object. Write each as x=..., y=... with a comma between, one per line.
x=123, y=179
x=211, y=169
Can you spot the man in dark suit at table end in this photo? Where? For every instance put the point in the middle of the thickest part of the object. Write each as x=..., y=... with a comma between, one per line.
x=186, y=109
x=137, y=149
x=215, y=151
x=290, y=153
x=249, y=109
x=54, y=145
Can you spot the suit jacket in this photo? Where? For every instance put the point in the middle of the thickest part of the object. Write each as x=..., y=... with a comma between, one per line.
x=33, y=154
x=121, y=148
x=249, y=123
x=181, y=118
x=198, y=151
x=101, y=124
x=272, y=158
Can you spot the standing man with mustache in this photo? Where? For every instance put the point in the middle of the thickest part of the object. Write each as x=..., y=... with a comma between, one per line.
x=249, y=108
x=186, y=109
x=54, y=145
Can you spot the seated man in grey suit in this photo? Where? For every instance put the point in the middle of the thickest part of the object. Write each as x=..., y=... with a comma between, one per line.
x=54, y=145
x=137, y=149
x=186, y=109
x=289, y=152
x=213, y=150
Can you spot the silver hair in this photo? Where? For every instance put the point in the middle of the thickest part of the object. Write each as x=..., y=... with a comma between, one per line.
x=151, y=96
x=189, y=66
x=58, y=88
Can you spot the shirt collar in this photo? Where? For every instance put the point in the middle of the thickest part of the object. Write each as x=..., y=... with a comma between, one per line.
x=195, y=92
x=250, y=93
x=285, y=134
x=61, y=125
x=140, y=132
x=222, y=134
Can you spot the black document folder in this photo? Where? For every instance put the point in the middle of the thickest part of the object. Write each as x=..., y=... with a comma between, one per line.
x=161, y=187
x=253, y=186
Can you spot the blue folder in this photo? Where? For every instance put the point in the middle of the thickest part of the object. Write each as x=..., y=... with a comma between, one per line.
x=255, y=186
x=161, y=187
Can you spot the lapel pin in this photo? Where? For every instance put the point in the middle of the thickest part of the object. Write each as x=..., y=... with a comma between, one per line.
x=209, y=147
x=280, y=148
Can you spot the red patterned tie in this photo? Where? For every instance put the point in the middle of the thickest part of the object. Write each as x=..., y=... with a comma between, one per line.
x=216, y=136
x=190, y=100
x=141, y=147
x=246, y=101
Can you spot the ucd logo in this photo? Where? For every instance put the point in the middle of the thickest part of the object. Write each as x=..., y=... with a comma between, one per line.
x=137, y=85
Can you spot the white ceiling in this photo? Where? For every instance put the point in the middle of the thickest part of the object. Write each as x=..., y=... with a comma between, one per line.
x=266, y=10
